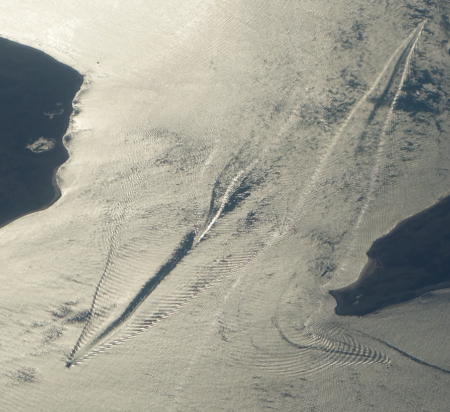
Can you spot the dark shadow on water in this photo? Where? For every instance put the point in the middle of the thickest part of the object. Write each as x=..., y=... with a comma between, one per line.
x=36, y=94
x=180, y=252
x=412, y=259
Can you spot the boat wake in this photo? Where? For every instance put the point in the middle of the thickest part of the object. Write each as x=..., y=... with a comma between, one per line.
x=256, y=201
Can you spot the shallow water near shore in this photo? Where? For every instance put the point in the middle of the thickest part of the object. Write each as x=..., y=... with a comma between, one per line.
x=229, y=165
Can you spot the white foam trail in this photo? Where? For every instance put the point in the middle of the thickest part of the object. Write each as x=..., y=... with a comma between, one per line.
x=237, y=180
x=319, y=172
x=389, y=124
x=317, y=180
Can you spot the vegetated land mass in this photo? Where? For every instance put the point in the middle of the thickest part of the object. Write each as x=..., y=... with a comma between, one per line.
x=410, y=260
x=36, y=94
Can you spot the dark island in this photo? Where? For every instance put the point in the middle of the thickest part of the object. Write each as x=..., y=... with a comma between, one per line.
x=36, y=94
x=412, y=259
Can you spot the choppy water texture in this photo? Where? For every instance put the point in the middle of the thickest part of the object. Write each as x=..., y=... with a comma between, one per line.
x=233, y=213
x=229, y=165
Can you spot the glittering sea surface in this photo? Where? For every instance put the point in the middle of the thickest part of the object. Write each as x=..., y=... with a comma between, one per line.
x=229, y=164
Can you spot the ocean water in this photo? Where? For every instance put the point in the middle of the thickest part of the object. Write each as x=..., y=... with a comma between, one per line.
x=230, y=163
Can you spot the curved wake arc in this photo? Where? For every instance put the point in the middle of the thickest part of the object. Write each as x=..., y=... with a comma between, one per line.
x=94, y=336
x=111, y=323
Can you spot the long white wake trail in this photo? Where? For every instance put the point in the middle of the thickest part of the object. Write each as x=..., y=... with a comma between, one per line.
x=360, y=114
x=200, y=261
x=373, y=115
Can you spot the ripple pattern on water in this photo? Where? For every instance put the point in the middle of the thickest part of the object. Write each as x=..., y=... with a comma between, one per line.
x=255, y=202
